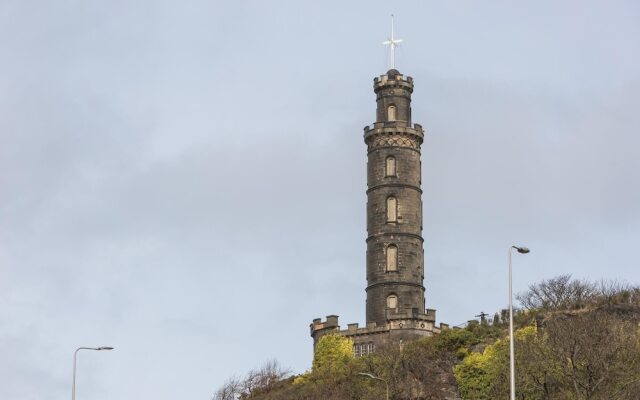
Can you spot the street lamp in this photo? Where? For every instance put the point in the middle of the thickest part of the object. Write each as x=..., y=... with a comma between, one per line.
x=512, y=368
x=75, y=356
x=371, y=376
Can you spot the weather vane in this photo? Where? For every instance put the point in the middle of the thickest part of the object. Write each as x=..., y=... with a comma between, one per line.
x=392, y=43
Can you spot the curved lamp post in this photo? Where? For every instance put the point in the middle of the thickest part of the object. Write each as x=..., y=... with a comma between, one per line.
x=512, y=368
x=75, y=356
x=371, y=376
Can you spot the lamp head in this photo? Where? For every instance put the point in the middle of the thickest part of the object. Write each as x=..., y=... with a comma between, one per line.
x=521, y=250
x=105, y=348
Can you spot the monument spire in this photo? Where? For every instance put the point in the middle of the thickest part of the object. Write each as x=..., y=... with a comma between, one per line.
x=392, y=43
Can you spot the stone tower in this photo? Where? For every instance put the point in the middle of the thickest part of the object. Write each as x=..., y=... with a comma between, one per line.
x=395, y=258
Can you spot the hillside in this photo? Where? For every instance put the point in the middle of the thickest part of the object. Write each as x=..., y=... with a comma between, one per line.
x=574, y=340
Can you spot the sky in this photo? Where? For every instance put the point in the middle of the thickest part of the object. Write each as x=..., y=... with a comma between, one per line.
x=185, y=181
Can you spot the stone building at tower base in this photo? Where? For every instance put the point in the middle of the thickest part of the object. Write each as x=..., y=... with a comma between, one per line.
x=371, y=337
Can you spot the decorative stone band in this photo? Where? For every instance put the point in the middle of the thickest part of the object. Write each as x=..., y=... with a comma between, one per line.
x=392, y=140
x=395, y=93
x=396, y=185
x=382, y=235
x=389, y=283
x=382, y=135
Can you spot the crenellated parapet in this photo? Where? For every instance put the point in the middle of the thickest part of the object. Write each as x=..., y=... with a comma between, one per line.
x=320, y=328
x=393, y=83
x=397, y=135
x=367, y=338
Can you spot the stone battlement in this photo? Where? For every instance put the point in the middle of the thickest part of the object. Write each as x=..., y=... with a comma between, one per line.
x=330, y=323
x=392, y=76
x=399, y=327
x=393, y=134
x=393, y=127
x=385, y=84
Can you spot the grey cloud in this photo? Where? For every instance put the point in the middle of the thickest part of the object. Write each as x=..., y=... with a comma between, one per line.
x=187, y=183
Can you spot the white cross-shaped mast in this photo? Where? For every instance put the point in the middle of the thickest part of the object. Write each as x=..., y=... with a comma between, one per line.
x=392, y=43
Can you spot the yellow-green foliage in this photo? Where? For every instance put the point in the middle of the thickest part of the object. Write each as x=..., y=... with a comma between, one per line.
x=334, y=373
x=301, y=379
x=333, y=352
x=476, y=374
x=484, y=375
x=455, y=340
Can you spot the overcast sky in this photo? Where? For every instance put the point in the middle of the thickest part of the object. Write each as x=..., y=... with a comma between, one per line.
x=185, y=181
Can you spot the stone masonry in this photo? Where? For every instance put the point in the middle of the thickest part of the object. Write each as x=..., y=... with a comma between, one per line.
x=395, y=307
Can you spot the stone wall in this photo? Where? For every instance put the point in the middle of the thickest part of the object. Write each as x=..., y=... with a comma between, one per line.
x=396, y=332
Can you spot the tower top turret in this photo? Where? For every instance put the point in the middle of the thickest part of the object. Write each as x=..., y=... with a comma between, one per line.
x=393, y=77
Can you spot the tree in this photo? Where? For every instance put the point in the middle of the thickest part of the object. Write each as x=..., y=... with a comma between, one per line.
x=264, y=378
x=485, y=375
x=473, y=375
x=334, y=373
x=559, y=293
x=231, y=390
x=427, y=368
x=333, y=352
x=599, y=352
x=259, y=380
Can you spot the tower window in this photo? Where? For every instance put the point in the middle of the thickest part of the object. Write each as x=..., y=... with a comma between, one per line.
x=391, y=113
x=392, y=301
x=392, y=258
x=390, y=166
x=392, y=209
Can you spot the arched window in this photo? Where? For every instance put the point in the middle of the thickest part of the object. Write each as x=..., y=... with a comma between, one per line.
x=392, y=301
x=392, y=257
x=392, y=209
x=390, y=166
x=391, y=113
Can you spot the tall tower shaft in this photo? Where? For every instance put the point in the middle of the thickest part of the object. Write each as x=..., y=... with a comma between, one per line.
x=395, y=256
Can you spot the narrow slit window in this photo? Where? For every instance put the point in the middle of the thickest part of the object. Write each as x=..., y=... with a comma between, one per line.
x=390, y=168
x=392, y=258
x=391, y=113
x=392, y=301
x=392, y=209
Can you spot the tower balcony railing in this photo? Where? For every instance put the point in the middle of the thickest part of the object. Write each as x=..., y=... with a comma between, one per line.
x=411, y=313
x=392, y=124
